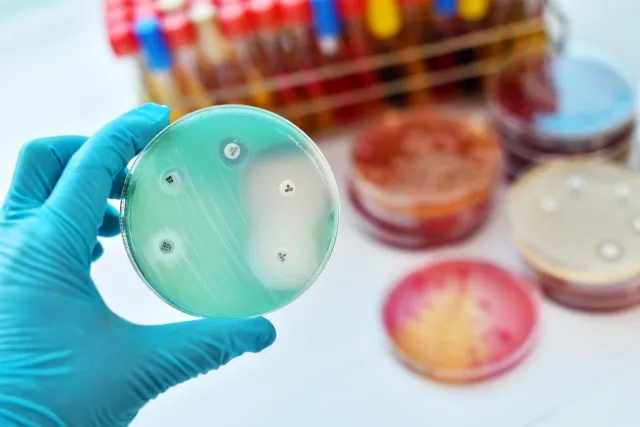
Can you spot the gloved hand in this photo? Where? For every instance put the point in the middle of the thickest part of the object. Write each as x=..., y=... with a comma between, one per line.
x=65, y=358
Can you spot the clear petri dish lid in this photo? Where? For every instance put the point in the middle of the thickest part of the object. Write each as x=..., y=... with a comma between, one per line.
x=561, y=98
x=578, y=220
x=461, y=320
x=230, y=211
x=426, y=158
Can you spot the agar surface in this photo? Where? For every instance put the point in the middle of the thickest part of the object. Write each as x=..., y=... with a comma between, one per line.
x=460, y=320
x=226, y=219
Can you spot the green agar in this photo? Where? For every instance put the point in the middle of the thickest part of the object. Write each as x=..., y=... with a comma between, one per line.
x=230, y=211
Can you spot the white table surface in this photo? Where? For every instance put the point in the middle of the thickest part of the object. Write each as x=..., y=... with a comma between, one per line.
x=330, y=365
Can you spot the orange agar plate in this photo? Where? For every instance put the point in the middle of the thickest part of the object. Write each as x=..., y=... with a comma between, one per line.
x=424, y=178
x=461, y=321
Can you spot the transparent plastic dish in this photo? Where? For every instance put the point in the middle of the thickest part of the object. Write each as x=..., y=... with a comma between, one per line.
x=577, y=225
x=461, y=321
x=566, y=102
x=519, y=158
x=424, y=178
x=230, y=211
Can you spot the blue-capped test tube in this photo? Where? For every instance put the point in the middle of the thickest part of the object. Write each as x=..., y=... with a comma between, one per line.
x=445, y=8
x=159, y=64
x=328, y=31
x=445, y=17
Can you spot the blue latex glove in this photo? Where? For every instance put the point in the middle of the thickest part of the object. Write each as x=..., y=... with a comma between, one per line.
x=65, y=358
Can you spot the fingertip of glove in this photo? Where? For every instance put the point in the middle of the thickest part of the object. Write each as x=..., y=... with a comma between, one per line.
x=266, y=333
x=155, y=112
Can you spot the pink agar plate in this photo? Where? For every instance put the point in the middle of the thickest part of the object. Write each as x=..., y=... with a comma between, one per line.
x=461, y=321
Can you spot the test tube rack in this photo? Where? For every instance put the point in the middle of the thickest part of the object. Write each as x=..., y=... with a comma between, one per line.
x=490, y=45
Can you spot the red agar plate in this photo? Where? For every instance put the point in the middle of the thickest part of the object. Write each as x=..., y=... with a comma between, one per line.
x=461, y=321
x=424, y=178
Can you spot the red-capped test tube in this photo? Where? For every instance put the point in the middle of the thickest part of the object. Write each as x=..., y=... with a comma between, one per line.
x=360, y=44
x=218, y=61
x=302, y=54
x=267, y=23
x=235, y=24
x=181, y=38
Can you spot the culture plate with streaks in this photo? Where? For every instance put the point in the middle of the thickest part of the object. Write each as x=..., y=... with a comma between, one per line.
x=230, y=211
x=461, y=321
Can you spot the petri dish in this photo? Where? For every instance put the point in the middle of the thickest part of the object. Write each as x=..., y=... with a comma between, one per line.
x=230, y=211
x=576, y=224
x=461, y=320
x=538, y=104
x=424, y=178
x=519, y=158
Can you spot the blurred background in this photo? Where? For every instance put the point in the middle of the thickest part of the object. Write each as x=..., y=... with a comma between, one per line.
x=333, y=363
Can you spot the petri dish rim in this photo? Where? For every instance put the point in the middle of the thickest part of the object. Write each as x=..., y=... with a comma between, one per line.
x=486, y=373
x=536, y=256
x=311, y=146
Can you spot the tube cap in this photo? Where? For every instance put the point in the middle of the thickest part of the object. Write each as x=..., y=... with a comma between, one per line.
x=265, y=14
x=169, y=6
x=178, y=30
x=122, y=38
x=296, y=12
x=233, y=20
x=384, y=18
x=154, y=46
x=326, y=21
x=445, y=7
x=352, y=8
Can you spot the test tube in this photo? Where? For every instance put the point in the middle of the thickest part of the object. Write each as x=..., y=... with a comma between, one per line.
x=328, y=31
x=234, y=21
x=575, y=223
x=304, y=55
x=412, y=34
x=359, y=41
x=219, y=63
x=171, y=7
x=384, y=21
x=424, y=178
x=181, y=38
x=533, y=9
x=444, y=20
x=472, y=14
x=159, y=65
x=267, y=26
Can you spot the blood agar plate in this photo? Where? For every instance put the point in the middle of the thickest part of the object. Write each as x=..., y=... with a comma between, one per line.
x=577, y=224
x=462, y=320
x=550, y=105
x=230, y=211
x=424, y=178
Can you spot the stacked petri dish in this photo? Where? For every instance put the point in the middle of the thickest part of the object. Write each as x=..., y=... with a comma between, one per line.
x=424, y=177
x=461, y=321
x=577, y=225
x=548, y=105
